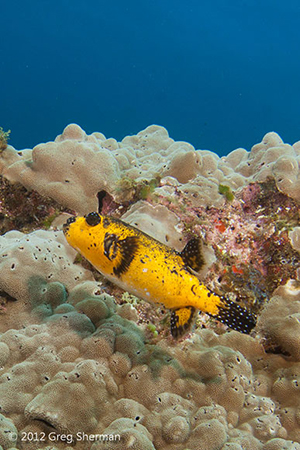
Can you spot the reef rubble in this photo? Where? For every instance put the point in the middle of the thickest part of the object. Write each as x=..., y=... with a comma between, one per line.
x=84, y=365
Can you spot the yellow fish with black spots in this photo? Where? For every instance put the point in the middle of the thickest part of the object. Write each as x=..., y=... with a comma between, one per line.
x=152, y=271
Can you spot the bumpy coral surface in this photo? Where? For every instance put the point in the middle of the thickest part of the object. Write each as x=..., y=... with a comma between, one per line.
x=83, y=365
x=75, y=167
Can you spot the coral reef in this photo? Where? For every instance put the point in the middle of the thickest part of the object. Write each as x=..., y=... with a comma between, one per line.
x=157, y=221
x=75, y=167
x=4, y=136
x=217, y=390
x=84, y=365
x=24, y=210
x=279, y=321
x=32, y=256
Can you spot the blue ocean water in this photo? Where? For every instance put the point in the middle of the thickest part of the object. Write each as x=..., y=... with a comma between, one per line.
x=214, y=73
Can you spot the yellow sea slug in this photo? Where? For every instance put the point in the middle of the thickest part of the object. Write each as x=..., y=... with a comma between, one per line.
x=152, y=271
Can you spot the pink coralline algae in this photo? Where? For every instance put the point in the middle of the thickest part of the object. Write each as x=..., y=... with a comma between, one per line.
x=250, y=238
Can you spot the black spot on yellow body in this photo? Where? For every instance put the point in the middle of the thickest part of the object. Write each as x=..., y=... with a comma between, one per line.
x=106, y=222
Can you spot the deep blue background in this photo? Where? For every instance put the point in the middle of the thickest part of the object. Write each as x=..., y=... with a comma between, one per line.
x=218, y=74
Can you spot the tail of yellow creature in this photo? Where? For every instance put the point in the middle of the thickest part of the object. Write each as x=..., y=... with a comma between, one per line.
x=150, y=270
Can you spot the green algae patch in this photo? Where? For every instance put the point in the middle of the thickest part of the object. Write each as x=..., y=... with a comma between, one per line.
x=146, y=188
x=137, y=190
x=226, y=191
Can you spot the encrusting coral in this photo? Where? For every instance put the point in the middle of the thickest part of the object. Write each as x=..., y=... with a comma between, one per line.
x=79, y=365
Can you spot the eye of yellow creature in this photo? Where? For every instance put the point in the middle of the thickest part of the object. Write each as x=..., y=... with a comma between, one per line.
x=93, y=219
